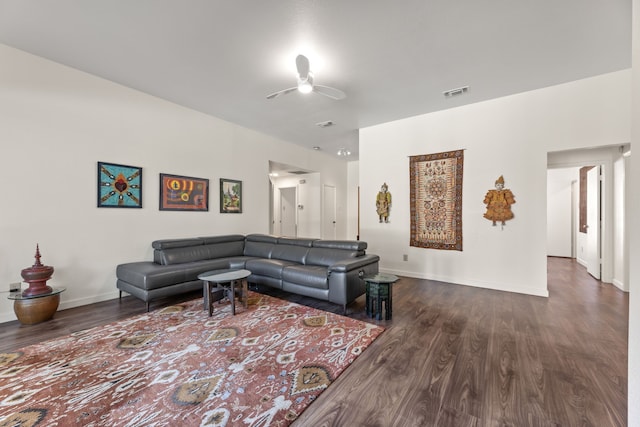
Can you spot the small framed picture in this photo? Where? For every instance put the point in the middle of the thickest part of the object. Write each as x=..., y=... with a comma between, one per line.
x=183, y=193
x=119, y=186
x=230, y=196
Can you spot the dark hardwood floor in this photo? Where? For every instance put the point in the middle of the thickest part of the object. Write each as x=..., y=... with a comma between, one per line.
x=455, y=355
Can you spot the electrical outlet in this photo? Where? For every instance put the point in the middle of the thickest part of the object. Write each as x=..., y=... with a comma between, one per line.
x=405, y=257
x=15, y=287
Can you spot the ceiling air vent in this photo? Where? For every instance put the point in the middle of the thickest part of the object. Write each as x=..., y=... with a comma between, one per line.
x=456, y=91
x=298, y=172
x=325, y=124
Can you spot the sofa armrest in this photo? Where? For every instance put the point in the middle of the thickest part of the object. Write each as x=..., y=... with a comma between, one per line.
x=353, y=263
x=345, y=278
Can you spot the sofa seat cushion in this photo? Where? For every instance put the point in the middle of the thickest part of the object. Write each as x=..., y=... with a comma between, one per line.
x=239, y=262
x=149, y=275
x=309, y=275
x=267, y=267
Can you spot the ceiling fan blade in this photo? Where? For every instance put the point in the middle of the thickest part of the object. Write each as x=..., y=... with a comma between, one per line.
x=330, y=92
x=302, y=64
x=281, y=92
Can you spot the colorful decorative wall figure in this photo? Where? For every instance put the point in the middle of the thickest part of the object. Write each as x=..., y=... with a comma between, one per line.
x=499, y=203
x=383, y=203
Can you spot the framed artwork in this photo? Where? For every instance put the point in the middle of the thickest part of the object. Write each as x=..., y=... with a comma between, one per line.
x=436, y=200
x=119, y=186
x=183, y=193
x=230, y=196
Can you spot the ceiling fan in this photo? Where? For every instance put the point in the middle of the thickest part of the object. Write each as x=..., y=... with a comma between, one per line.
x=305, y=83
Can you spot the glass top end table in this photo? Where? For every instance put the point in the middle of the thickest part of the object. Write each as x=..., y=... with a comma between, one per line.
x=36, y=308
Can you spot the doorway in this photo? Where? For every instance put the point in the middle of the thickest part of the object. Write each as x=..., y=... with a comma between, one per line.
x=329, y=212
x=607, y=258
x=295, y=201
x=288, y=220
x=574, y=216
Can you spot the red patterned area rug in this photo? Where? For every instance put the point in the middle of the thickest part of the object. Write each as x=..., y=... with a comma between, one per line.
x=179, y=367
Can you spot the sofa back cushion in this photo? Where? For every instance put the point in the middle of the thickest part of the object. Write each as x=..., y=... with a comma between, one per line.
x=175, y=243
x=231, y=245
x=259, y=245
x=178, y=251
x=222, y=239
x=299, y=250
x=293, y=253
x=348, y=245
x=180, y=255
x=291, y=249
x=307, y=243
x=327, y=257
x=171, y=246
x=328, y=252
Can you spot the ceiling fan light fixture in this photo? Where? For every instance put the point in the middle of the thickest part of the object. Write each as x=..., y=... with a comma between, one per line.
x=305, y=85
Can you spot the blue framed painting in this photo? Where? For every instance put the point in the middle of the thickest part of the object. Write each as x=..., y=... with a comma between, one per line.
x=119, y=186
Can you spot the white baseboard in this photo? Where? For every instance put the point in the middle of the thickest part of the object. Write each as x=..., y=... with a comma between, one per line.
x=620, y=285
x=65, y=304
x=472, y=283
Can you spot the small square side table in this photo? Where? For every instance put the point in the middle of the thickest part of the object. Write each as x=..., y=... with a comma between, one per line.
x=378, y=290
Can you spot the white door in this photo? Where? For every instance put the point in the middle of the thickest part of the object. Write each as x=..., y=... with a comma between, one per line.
x=329, y=212
x=593, y=222
x=288, y=212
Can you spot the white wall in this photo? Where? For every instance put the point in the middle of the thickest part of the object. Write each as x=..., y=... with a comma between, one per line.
x=560, y=224
x=56, y=123
x=620, y=241
x=353, y=184
x=510, y=136
x=633, y=210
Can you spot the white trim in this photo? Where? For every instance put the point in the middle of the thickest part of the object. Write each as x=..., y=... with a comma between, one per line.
x=472, y=283
x=620, y=285
x=65, y=304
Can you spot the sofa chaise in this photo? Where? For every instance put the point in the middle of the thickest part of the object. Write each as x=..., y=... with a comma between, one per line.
x=330, y=270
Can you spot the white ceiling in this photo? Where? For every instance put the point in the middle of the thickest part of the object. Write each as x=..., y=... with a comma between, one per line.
x=393, y=59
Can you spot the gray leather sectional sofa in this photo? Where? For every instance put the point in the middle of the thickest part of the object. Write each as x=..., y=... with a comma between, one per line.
x=330, y=270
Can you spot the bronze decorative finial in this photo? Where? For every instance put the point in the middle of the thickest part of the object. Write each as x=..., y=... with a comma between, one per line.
x=36, y=276
x=38, y=263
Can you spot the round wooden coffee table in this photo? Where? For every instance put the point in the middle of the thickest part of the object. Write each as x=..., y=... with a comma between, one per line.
x=225, y=281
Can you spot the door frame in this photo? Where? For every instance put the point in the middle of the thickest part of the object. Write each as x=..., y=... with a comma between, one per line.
x=602, y=156
x=294, y=192
x=593, y=257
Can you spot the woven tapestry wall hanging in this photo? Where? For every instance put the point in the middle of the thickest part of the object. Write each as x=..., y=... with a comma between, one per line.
x=436, y=200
